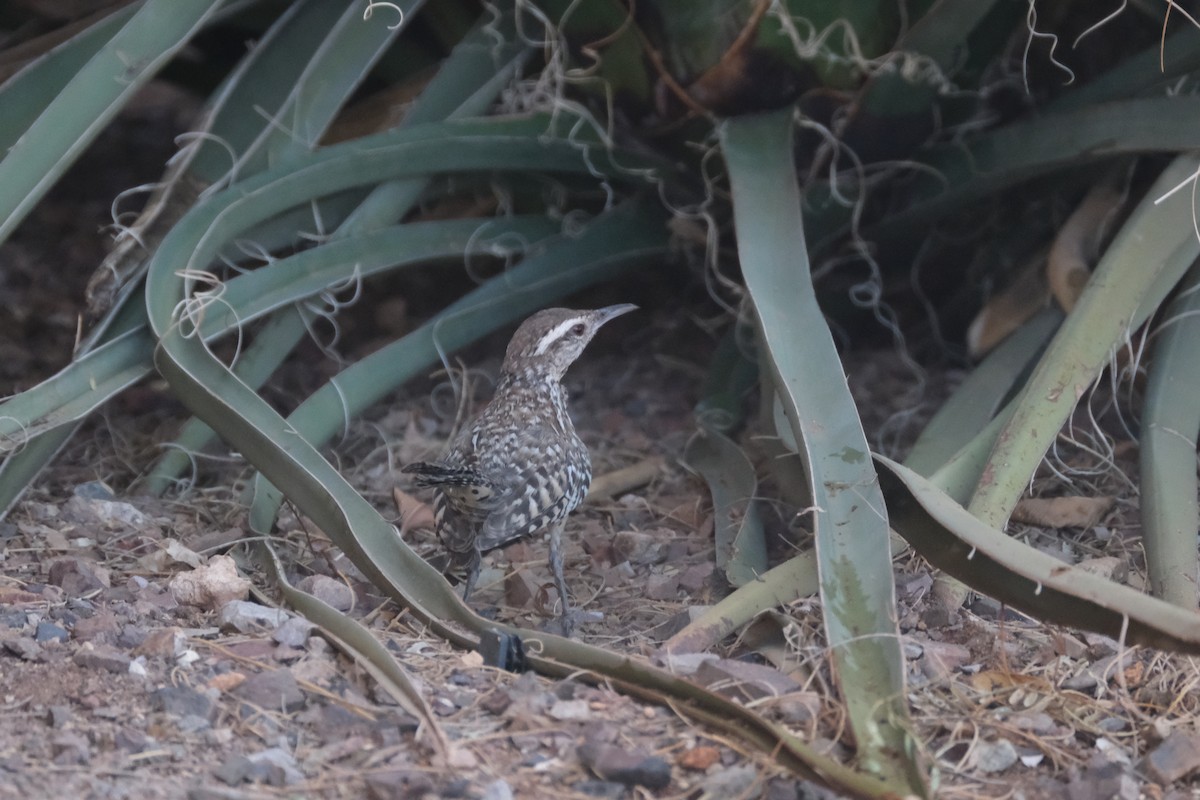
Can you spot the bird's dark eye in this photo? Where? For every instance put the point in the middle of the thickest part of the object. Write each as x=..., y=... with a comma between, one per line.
x=578, y=330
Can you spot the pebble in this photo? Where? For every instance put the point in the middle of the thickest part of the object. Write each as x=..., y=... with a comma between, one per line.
x=399, y=783
x=102, y=657
x=70, y=748
x=1174, y=758
x=613, y=763
x=24, y=648
x=565, y=710
x=294, y=632
x=246, y=617
x=994, y=756
x=332, y=592
x=77, y=576
x=49, y=632
x=274, y=690
x=210, y=586
x=276, y=767
x=497, y=790
x=731, y=782
x=699, y=758
x=181, y=701
x=607, y=790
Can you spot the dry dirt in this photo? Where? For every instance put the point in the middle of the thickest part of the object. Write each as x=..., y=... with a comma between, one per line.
x=111, y=688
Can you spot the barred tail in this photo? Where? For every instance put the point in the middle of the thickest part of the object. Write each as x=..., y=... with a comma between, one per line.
x=428, y=474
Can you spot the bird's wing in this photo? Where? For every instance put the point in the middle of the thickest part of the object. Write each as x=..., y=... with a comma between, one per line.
x=541, y=490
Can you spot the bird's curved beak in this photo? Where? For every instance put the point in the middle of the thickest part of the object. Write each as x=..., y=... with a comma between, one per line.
x=612, y=312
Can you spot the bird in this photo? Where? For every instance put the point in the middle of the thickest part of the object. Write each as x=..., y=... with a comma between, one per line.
x=519, y=467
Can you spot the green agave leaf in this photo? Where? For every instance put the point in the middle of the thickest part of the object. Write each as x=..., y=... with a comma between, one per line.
x=955, y=176
x=1149, y=254
x=254, y=365
x=1170, y=424
x=357, y=642
x=955, y=541
x=91, y=98
x=851, y=527
x=19, y=470
x=348, y=51
x=28, y=92
x=976, y=401
x=741, y=542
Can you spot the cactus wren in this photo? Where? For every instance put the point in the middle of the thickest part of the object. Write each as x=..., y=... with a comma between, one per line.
x=519, y=467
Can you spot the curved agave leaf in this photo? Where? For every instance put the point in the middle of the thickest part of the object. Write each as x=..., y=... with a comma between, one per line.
x=955, y=541
x=1149, y=255
x=91, y=98
x=1170, y=423
x=851, y=527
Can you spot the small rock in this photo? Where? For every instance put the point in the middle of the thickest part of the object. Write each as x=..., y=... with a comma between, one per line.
x=497, y=790
x=608, y=790
x=24, y=648
x=399, y=784
x=565, y=710
x=613, y=763
x=234, y=770
x=131, y=740
x=942, y=659
x=275, y=690
x=246, y=617
x=1083, y=682
x=162, y=643
x=662, y=587
x=1035, y=722
x=1106, y=779
x=496, y=702
x=696, y=577
x=798, y=708
x=744, y=681
x=76, y=576
x=94, y=490
x=293, y=632
x=676, y=623
x=211, y=586
x=685, y=663
x=699, y=758
x=70, y=748
x=519, y=589
x=635, y=547
x=111, y=514
x=461, y=758
x=994, y=756
x=1100, y=645
x=331, y=592
x=226, y=681
x=49, y=632
x=276, y=767
x=100, y=628
x=15, y=619
x=59, y=716
x=731, y=782
x=180, y=701
x=1174, y=758
x=102, y=657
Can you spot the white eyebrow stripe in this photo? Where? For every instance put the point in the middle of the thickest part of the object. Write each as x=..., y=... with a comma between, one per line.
x=555, y=334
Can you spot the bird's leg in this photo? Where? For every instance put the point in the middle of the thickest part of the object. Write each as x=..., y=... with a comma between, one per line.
x=472, y=573
x=556, y=567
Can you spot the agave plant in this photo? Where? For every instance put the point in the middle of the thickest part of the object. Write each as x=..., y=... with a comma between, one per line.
x=830, y=140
